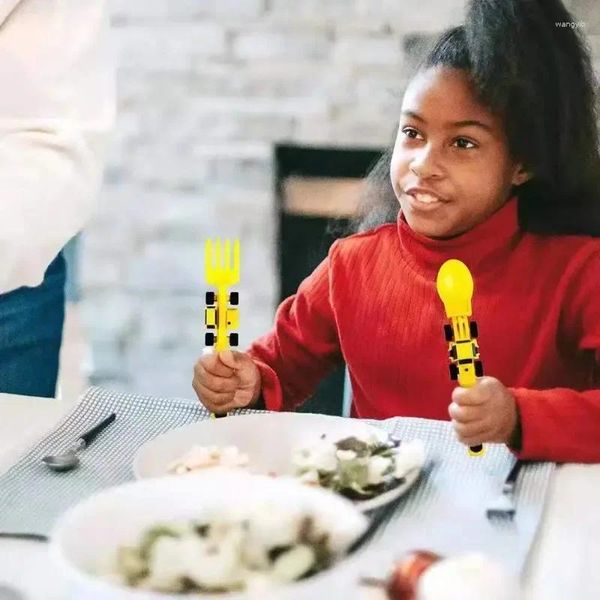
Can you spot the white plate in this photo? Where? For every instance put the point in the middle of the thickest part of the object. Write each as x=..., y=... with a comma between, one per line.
x=268, y=440
x=85, y=540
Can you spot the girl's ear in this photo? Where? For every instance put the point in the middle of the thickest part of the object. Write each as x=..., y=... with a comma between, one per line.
x=520, y=175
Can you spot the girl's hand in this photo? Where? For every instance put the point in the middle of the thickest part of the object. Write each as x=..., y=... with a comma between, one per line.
x=226, y=380
x=486, y=412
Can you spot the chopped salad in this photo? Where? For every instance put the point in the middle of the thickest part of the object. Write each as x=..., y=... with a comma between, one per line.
x=358, y=468
x=268, y=546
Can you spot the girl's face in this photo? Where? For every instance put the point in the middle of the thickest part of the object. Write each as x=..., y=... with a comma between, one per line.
x=451, y=167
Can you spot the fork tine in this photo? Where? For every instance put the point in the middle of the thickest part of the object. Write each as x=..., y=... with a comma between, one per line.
x=219, y=255
x=222, y=262
x=236, y=258
x=504, y=506
x=227, y=256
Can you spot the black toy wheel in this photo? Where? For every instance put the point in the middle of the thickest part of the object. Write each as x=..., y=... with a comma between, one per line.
x=478, y=368
x=234, y=298
x=473, y=329
x=453, y=372
x=234, y=339
x=209, y=339
x=452, y=352
x=449, y=333
x=210, y=298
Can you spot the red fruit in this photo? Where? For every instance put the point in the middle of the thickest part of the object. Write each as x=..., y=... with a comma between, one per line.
x=402, y=583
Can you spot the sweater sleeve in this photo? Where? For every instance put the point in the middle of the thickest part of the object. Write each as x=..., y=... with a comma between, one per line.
x=562, y=424
x=303, y=345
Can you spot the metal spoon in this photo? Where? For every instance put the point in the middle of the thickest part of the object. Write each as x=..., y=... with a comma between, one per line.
x=68, y=460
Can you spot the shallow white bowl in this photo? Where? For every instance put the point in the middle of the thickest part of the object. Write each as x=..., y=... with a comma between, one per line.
x=268, y=439
x=86, y=538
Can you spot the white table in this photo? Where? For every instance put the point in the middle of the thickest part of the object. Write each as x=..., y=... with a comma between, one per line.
x=563, y=563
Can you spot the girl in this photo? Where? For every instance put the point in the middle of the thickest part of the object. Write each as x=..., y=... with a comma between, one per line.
x=495, y=163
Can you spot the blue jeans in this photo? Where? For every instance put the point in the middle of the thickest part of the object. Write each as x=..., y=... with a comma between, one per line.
x=31, y=324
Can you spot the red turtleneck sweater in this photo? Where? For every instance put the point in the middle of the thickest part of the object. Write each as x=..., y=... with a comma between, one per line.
x=373, y=304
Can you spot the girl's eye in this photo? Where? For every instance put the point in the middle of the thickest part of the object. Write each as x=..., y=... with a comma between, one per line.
x=411, y=133
x=464, y=144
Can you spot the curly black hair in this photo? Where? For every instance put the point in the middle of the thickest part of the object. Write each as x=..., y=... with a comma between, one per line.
x=537, y=76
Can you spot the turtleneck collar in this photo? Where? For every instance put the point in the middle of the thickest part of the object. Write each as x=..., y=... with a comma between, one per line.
x=480, y=248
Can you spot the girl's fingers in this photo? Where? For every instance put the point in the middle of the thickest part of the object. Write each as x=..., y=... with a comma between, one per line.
x=470, y=431
x=215, y=382
x=214, y=365
x=211, y=399
x=468, y=396
x=464, y=414
x=227, y=358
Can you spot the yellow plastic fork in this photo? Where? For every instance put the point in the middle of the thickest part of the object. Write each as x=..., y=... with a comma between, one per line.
x=222, y=270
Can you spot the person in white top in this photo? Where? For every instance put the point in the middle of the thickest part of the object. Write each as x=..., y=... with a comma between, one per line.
x=57, y=108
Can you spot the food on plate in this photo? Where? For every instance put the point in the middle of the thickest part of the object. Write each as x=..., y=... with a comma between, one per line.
x=424, y=575
x=358, y=468
x=404, y=578
x=470, y=576
x=202, y=457
x=264, y=546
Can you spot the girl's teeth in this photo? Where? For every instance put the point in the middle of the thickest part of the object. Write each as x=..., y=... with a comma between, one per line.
x=426, y=198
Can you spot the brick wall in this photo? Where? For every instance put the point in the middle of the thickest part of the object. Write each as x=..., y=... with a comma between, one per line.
x=206, y=88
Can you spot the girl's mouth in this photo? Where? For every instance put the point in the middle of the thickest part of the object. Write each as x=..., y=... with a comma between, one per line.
x=425, y=198
x=424, y=202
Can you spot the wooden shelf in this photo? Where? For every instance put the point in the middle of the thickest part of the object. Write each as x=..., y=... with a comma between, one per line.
x=331, y=197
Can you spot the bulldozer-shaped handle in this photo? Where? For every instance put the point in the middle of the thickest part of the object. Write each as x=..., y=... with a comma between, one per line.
x=455, y=287
x=221, y=317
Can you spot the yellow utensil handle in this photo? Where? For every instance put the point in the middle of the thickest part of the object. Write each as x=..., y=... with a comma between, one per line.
x=479, y=449
x=215, y=415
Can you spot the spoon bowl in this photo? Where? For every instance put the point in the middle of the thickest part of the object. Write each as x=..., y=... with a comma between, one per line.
x=61, y=462
x=69, y=460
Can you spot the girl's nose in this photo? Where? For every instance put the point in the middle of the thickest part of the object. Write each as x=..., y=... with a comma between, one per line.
x=425, y=164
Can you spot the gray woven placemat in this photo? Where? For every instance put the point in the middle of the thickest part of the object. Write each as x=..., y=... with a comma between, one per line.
x=32, y=497
x=445, y=511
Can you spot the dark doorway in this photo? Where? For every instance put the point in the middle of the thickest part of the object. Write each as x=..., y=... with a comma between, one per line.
x=317, y=190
